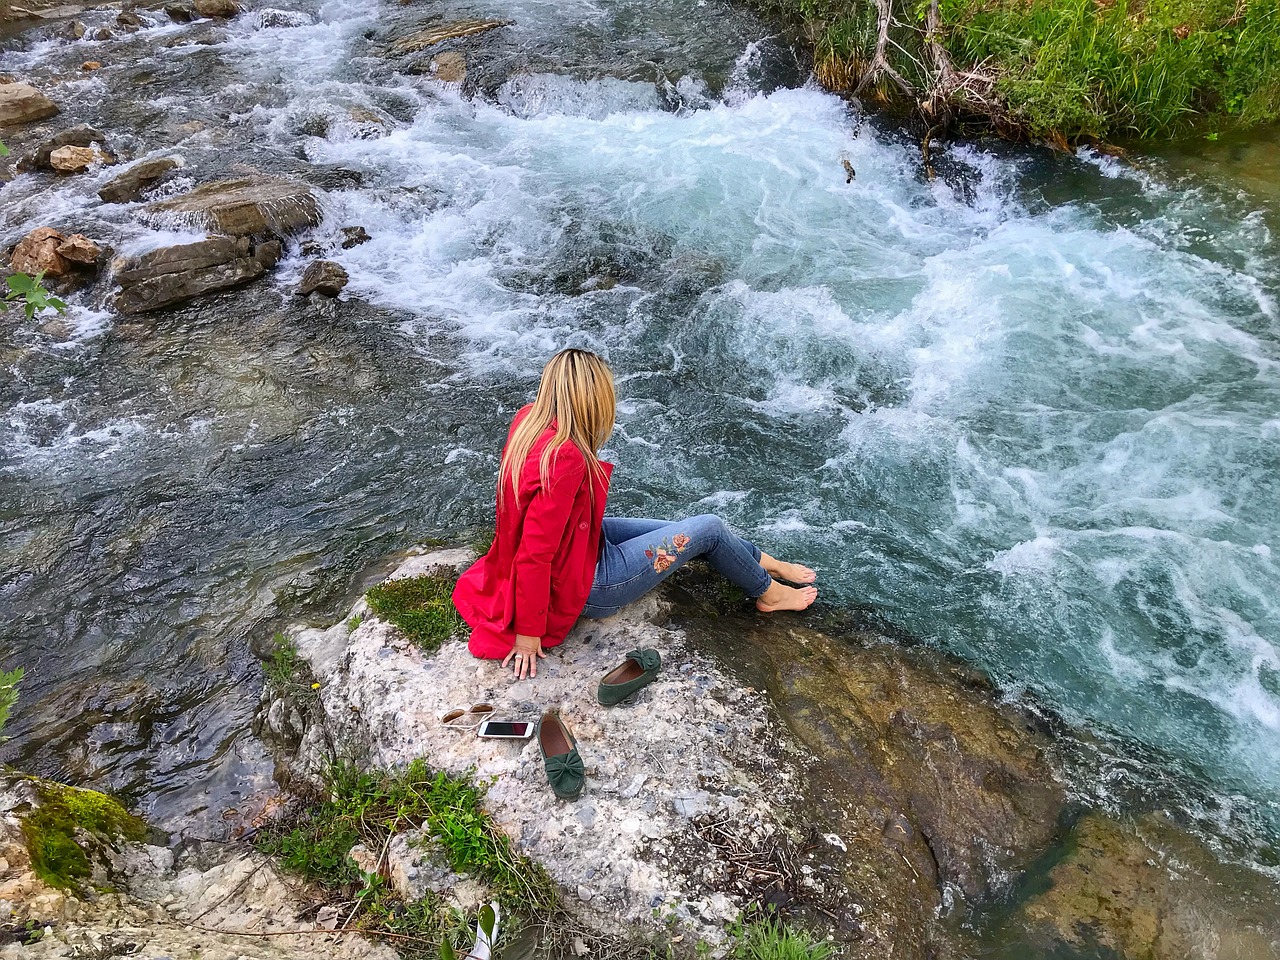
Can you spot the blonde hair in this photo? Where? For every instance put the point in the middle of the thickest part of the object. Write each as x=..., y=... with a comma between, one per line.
x=576, y=394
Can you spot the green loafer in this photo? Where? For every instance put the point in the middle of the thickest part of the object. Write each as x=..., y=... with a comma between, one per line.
x=565, y=771
x=637, y=671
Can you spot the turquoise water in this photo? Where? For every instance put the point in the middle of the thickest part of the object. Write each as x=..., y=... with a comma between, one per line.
x=1027, y=411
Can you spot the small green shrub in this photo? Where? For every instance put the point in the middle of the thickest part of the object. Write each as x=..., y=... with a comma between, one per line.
x=420, y=607
x=31, y=292
x=289, y=674
x=8, y=694
x=370, y=808
x=56, y=855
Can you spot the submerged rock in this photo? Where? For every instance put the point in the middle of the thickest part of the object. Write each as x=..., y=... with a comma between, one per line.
x=131, y=184
x=172, y=275
x=1148, y=890
x=323, y=277
x=354, y=236
x=23, y=103
x=249, y=206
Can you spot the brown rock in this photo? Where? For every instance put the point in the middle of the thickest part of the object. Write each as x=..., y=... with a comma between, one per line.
x=172, y=275
x=37, y=252
x=442, y=32
x=131, y=184
x=250, y=206
x=323, y=277
x=79, y=249
x=128, y=20
x=81, y=136
x=180, y=12
x=23, y=103
x=78, y=159
x=221, y=9
x=91, y=65
x=103, y=33
x=449, y=67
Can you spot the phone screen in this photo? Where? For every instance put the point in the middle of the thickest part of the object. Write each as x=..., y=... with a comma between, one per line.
x=503, y=728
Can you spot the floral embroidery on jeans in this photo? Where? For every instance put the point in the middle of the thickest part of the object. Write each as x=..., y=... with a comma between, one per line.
x=664, y=555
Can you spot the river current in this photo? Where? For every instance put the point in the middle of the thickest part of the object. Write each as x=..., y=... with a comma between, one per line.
x=1027, y=411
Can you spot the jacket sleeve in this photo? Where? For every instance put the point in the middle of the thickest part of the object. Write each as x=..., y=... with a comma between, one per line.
x=545, y=521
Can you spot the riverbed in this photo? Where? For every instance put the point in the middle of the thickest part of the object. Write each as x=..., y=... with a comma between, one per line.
x=1025, y=411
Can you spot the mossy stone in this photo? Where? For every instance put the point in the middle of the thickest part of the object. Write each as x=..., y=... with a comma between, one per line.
x=57, y=856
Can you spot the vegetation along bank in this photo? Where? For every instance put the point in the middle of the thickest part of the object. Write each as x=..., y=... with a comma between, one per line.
x=1064, y=71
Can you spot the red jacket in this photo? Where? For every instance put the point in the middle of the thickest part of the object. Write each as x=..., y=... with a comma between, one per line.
x=536, y=577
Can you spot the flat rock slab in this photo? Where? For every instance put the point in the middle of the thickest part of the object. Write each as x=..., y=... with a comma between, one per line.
x=431, y=36
x=249, y=206
x=172, y=275
x=130, y=185
x=23, y=103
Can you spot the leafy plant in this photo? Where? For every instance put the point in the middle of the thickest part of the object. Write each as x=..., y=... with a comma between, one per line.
x=8, y=694
x=420, y=607
x=289, y=673
x=30, y=290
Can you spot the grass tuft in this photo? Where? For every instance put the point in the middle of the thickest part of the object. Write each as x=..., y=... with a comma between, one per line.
x=768, y=938
x=419, y=607
x=369, y=809
x=289, y=674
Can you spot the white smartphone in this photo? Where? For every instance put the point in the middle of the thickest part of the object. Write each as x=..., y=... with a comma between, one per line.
x=507, y=729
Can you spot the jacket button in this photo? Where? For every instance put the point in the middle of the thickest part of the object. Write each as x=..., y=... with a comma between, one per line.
x=582, y=525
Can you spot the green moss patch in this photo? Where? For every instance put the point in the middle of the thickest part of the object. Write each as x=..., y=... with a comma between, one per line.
x=419, y=607
x=369, y=808
x=57, y=857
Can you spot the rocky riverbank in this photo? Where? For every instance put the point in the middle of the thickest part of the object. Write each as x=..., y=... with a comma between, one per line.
x=882, y=798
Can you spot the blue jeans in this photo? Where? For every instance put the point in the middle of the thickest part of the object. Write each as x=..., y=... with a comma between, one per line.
x=637, y=555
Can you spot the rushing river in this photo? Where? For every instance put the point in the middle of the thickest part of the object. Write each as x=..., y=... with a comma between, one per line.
x=1028, y=411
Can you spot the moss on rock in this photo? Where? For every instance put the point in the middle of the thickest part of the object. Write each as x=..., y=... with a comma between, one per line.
x=55, y=831
x=420, y=607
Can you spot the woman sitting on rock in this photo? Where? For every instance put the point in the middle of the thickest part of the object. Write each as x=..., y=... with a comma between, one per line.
x=556, y=555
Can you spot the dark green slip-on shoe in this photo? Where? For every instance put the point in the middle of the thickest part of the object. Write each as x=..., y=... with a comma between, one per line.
x=560, y=757
x=637, y=671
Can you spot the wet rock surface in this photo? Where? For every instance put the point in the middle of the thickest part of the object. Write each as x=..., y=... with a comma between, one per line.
x=79, y=136
x=171, y=275
x=78, y=159
x=130, y=185
x=323, y=277
x=249, y=206
x=22, y=103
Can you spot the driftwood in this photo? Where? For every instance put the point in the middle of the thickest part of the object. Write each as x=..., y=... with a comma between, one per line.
x=879, y=65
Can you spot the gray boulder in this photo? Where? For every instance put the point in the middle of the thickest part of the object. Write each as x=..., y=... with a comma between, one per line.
x=172, y=275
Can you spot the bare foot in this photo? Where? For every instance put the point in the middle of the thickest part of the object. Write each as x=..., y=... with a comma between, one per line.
x=791, y=572
x=781, y=597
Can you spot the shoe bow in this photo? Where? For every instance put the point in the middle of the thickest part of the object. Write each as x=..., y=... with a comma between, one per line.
x=647, y=659
x=566, y=769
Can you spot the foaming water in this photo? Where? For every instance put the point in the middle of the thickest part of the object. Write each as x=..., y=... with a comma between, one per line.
x=1025, y=410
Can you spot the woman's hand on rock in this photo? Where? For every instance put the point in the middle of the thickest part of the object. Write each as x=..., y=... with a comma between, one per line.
x=524, y=656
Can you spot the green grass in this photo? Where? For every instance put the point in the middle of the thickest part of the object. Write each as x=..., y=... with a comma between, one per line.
x=289, y=674
x=370, y=808
x=768, y=938
x=8, y=694
x=1072, y=70
x=419, y=607
x=57, y=856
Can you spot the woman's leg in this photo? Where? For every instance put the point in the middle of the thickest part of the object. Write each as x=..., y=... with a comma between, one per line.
x=631, y=568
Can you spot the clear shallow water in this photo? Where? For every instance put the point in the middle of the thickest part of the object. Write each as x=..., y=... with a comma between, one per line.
x=1027, y=411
